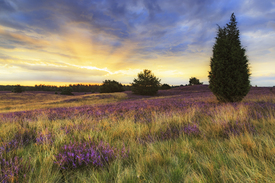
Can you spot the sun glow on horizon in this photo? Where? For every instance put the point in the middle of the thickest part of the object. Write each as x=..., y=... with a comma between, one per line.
x=79, y=42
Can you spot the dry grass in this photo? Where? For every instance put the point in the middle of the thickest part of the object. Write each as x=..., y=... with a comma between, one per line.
x=216, y=154
x=12, y=102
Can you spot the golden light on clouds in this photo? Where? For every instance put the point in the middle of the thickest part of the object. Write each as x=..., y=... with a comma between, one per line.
x=88, y=42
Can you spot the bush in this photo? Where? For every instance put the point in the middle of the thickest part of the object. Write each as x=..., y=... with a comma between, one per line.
x=67, y=91
x=109, y=86
x=146, y=83
x=229, y=75
x=165, y=87
x=194, y=81
x=17, y=89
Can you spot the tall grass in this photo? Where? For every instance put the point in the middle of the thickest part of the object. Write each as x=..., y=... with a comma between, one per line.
x=187, y=137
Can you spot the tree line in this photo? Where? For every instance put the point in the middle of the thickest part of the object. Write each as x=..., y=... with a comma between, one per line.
x=108, y=86
x=75, y=87
x=43, y=87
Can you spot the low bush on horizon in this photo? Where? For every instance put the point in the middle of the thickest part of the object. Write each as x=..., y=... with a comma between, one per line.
x=109, y=86
x=194, y=81
x=17, y=89
x=188, y=137
x=165, y=86
x=67, y=91
x=146, y=83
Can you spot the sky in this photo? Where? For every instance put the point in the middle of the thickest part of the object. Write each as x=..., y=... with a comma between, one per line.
x=58, y=42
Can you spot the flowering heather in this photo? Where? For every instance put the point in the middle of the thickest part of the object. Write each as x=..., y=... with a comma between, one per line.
x=171, y=132
x=143, y=116
x=148, y=138
x=180, y=135
x=178, y=101
x=79, y=154
x=237, y=128
x=174, y=131
x=21, y=138
x=13, y=170
x=191, y=130
x=44, y=138
x=77, y=127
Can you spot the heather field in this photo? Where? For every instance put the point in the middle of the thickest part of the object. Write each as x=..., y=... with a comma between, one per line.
x=180, y=135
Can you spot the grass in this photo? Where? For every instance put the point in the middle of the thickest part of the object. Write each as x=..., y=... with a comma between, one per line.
x=12, y=102
x=182, y=135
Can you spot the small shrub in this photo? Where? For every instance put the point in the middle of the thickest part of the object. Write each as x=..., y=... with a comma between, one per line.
x=165, y=87
x=67, y=91
x=21, y=139
x=194, y=81
x=13, y=170
x=79, y=154
x=17, y=89
x=55, y=93
x=146, y=83
x=109, y=86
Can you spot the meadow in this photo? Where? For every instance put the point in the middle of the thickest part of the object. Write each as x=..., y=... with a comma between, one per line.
x=180, y=135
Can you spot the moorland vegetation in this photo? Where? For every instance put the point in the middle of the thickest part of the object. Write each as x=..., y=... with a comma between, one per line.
x=184, y=134
x=180, y=135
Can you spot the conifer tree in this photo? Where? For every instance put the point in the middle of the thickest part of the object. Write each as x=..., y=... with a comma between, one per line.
x=229, y=75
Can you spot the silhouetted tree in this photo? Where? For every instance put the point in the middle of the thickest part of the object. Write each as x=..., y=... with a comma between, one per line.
x=146, y=83
x=165, y=87
x=109, y=86
x=194, y=81
x=229, y=75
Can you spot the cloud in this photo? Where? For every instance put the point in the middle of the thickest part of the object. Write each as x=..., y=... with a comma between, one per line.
x=50, y=66
x=21, y=39
x=121, y=35
x=7, y=6
x=267, y=80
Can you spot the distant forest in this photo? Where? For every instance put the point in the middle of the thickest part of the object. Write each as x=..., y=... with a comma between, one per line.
x=75, y=87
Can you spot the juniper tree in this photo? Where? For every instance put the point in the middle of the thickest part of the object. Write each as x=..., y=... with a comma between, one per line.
x=229, y=75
